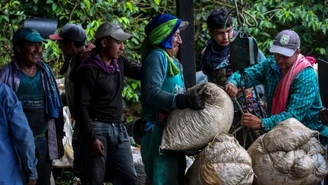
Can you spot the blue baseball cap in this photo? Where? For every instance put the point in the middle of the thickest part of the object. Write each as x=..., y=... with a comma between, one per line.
x=29, y=34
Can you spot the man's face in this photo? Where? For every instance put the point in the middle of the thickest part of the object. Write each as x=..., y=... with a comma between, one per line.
x=222, y=36
x=113, y=47
x=176, y=41
x=66, y=48
x=285, y=62
x=29, y=52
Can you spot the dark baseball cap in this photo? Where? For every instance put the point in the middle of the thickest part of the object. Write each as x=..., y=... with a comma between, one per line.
x=29, y=34
x=71, y=32
x=286, y=43
x=113, y=30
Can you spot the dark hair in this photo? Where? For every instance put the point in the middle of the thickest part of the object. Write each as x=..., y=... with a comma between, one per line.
x=77, y=44
x=98, y=41
x=218, y=19
x=20, y=42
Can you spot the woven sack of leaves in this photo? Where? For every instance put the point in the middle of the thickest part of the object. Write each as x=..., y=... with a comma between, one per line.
x=222, y=162
x=288, y=154
x=188, y=129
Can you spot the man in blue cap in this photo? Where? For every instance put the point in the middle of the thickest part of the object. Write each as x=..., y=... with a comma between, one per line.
x=35, y=86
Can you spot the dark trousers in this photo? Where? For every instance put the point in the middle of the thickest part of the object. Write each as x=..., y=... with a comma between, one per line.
x=117, y=164
x=76, y=143
x=44, y=163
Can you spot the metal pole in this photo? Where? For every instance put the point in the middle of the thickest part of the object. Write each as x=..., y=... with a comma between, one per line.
x=185, y=11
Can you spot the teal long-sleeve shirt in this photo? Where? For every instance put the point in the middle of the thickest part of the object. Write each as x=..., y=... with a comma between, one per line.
x=158, y=88
x=303, y=103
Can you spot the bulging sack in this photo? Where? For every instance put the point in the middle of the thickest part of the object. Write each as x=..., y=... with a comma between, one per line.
x=189, y=129
x=288, y=154
x=222, y=162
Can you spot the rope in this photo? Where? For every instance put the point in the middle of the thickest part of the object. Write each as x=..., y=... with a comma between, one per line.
x=246, y=130
x=242, y=15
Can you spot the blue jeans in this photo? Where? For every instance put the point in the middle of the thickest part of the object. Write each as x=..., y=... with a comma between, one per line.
x=117, y=164
x=44, y=163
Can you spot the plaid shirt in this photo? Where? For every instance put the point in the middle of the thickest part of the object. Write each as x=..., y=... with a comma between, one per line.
x=304, y=102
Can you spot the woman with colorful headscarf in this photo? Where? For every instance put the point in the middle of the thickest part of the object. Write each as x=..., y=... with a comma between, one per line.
x=162, y=86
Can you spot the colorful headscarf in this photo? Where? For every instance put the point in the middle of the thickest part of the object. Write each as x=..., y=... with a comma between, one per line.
x=160, y=31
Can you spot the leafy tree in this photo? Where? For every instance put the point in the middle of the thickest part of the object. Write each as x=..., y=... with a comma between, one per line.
x=131, y=15
x=307, y=17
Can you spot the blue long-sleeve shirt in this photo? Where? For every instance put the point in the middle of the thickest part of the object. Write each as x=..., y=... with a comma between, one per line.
x=303, y=103
x=16, y=141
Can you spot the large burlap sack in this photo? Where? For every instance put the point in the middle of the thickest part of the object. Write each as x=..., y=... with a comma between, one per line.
x=222, y=162
x=288, y=154
x=189, y=129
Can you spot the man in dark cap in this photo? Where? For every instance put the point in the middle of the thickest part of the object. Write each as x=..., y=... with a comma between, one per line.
x=35, y=86
x=71, y=40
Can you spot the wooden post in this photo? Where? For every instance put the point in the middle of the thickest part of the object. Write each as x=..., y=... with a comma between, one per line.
x=185, y=11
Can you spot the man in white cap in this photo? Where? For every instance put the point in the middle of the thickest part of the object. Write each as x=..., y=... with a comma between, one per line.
x=106, y=150
x=291, y=87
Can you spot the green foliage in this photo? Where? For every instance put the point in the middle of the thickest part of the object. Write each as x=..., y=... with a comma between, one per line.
x=131, y=15
x=307, y=17
x=63, y=176
x=131, y=92
x=11, y=15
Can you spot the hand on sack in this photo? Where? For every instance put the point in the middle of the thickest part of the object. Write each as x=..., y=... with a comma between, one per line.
x=251, y=121
x=231, y=90
x=191, y=100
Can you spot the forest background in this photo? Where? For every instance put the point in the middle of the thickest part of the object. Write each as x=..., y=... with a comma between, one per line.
x=309, y=18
